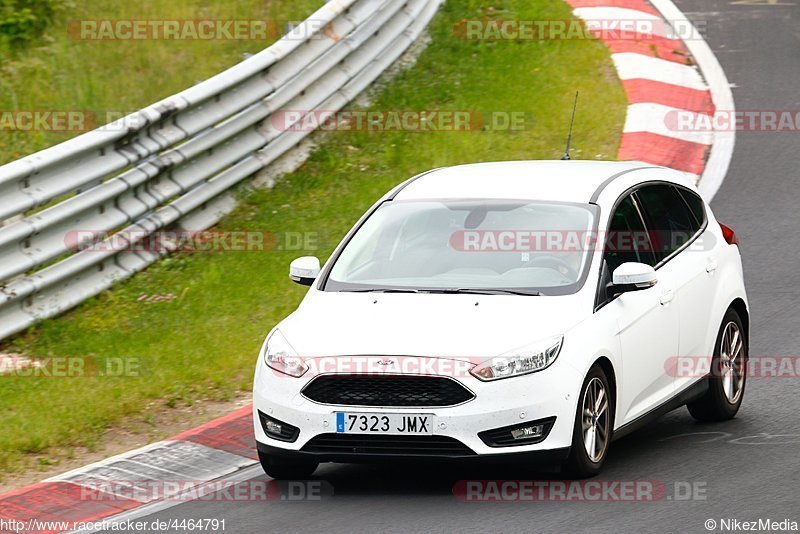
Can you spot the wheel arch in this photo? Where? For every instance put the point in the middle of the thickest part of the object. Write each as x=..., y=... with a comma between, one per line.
x=608, y=368
x=740, y=307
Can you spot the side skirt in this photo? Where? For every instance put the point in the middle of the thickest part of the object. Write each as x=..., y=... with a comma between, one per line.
x=693, y=392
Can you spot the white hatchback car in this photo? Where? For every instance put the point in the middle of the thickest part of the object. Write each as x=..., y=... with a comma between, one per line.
x=530, y=310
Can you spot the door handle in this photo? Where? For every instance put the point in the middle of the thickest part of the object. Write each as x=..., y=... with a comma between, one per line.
x=666, y=296
x=711, y=265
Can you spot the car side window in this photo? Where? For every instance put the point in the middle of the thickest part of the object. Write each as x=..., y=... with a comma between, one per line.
x=670, y=222
x=696, y=206
x=627, y=238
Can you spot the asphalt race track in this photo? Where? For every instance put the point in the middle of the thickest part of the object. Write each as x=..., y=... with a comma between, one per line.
x=745, y=469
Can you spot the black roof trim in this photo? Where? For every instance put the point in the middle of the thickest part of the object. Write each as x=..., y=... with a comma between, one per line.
x=610, y=179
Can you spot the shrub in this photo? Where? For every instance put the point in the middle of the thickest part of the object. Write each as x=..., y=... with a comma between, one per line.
x=22, y=21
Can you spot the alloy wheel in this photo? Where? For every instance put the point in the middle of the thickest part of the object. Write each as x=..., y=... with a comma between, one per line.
x=731, y=362
x=595, y=420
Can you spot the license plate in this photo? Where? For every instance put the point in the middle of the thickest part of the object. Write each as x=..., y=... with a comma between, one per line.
x=384, y=423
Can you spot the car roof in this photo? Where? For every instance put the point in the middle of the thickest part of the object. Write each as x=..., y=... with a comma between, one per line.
x=554, y=180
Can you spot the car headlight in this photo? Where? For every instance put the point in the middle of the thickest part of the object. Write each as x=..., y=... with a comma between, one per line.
x=521, y=361
x=279, y=355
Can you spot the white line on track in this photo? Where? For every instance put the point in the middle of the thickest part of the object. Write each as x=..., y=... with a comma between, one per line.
x=660, y=119
x=632, y=66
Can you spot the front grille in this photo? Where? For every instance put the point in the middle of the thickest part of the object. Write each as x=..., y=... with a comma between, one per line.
x=390, y=390
x=387, y=445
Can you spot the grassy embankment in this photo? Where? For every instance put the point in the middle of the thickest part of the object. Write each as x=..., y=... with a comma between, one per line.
x=44, y=66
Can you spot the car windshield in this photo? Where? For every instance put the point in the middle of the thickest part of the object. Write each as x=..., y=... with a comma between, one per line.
x=469, y=246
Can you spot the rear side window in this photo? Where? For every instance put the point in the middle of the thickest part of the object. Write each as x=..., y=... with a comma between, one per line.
x=696, y=206
x=669, y=220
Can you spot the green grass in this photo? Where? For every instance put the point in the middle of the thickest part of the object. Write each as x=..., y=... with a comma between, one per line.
x=205, y=345
x=58, y=72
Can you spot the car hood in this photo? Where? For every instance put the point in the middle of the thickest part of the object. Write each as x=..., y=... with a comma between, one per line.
x=432, y=325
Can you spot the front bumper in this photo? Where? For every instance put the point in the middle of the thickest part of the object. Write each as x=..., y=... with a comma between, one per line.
x=549, y=393
x=542, y=457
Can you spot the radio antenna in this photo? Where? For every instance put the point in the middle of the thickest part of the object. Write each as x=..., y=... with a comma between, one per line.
x=571, y=122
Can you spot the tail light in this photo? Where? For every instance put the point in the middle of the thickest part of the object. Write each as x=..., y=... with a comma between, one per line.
x=729, y=235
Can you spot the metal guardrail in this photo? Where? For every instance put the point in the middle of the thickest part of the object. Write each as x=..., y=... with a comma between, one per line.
x=172, y=164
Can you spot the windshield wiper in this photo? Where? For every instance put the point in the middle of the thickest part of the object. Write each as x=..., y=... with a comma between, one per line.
x=485, y=291
x=447, y=291
x=378, y=290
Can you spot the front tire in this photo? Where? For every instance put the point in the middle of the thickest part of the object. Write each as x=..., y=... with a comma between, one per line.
x=728, y=373
x=594, y=422
x=281, y=468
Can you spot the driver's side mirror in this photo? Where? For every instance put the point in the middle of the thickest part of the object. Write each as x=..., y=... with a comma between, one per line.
x=304, y=270
x=631, y=276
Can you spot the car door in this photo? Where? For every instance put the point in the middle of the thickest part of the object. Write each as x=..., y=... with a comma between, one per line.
x=647, y=320
x=676, y=217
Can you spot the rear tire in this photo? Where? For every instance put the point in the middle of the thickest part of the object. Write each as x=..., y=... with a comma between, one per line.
x=282, y=468
x=594, y=423
x=728, y=373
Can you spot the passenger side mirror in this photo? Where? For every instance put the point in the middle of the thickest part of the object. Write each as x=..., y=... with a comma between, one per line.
x=632, y=276
x=304, y=270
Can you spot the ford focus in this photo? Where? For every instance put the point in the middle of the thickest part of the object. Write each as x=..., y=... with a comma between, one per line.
x=525, y=311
